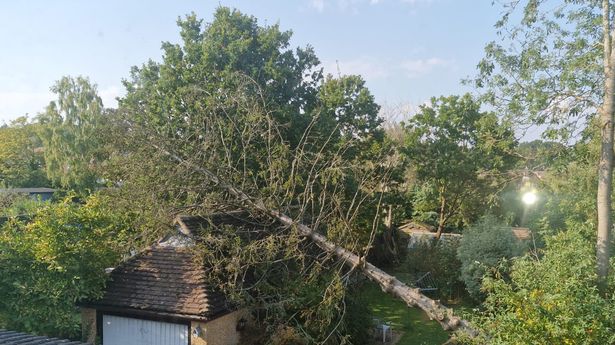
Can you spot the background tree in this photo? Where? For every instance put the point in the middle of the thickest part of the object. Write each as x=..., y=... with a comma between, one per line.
x=21, y=161
x=458, y=154
x=70, y=129
x=555, y=68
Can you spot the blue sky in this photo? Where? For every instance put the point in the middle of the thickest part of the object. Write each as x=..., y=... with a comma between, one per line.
x=407, y=50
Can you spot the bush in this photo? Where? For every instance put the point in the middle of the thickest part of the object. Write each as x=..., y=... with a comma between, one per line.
x=440, y=259
x=49, y=263
x=483, y=246
x=551, y=300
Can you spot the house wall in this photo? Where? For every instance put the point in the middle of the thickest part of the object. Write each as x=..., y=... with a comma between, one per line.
x=221, y=331
x=88, y=325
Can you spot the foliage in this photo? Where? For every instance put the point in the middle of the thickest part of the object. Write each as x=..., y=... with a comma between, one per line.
x=551, y=299
x=231, y=52
x=348, y=105
x=458, y=153
x=483, y=246
x=548, y=67
x=555, y=68
x=56, y=259
x=17, y=204
x=570, y=186
x=70, y=129
x=21, y=165
x=440, y=260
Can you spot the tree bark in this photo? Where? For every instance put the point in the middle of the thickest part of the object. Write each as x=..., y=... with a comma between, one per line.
x=389, y=284
x=605, y=165
x=442, y=220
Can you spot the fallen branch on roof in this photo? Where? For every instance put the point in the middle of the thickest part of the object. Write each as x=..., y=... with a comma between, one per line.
x=389, y=284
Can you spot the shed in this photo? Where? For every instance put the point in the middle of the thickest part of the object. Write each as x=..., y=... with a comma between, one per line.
x=522, y=234
x=17, y=338
x=421, y=233
x=161, y=296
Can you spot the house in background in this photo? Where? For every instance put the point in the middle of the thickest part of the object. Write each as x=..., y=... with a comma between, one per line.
x=161, y=296
x=41, y=193
x=16, y=338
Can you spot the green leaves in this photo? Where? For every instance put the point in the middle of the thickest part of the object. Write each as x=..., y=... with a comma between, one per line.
x=551, y=300
x=55, y=260
x=457, y=151
x=548, y=67
x=21, y=162
x=483, y=246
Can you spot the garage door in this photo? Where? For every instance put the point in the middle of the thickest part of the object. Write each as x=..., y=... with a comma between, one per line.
x=128, y=331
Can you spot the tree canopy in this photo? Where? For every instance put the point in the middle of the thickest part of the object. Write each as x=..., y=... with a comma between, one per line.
x=458, y=153
x=70, y=131
x=21, y=161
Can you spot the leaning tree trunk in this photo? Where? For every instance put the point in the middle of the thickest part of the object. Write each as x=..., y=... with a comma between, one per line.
x=412, y=296
x=605, y=166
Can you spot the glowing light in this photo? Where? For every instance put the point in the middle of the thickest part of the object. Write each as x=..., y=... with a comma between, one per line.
x=529, y=198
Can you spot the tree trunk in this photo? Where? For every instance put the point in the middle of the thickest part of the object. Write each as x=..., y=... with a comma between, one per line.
x=605, y=166
x=388, y=238
x=389, y=284
x=442, y=220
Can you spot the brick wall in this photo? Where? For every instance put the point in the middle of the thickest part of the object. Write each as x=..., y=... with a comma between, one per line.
x=88, y=325
x=221, y=331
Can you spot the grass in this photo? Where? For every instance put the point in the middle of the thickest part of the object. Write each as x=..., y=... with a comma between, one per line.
x=416, y=327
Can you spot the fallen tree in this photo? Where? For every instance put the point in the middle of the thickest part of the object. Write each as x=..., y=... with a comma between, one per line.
x=389, y=284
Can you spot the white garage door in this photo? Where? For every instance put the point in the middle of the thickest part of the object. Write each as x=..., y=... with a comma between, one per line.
x=128, y=331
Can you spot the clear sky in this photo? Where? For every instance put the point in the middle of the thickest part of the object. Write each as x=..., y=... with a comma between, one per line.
x=407, y=50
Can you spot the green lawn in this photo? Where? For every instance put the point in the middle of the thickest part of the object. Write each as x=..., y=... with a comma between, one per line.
x=417, y=328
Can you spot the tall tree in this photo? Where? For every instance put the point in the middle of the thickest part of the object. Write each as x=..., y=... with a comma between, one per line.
x=458, y=152
x=556, y=68
x=69, y=130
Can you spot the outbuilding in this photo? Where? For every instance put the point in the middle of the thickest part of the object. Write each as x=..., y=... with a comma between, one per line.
x=161, y=297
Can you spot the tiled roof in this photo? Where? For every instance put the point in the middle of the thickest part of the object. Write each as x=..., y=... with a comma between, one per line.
x=15, y=338
x=165, y=280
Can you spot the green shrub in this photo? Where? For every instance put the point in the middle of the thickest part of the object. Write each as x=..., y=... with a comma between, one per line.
x=483, y=246
x=550, y=300
x=52, y=261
